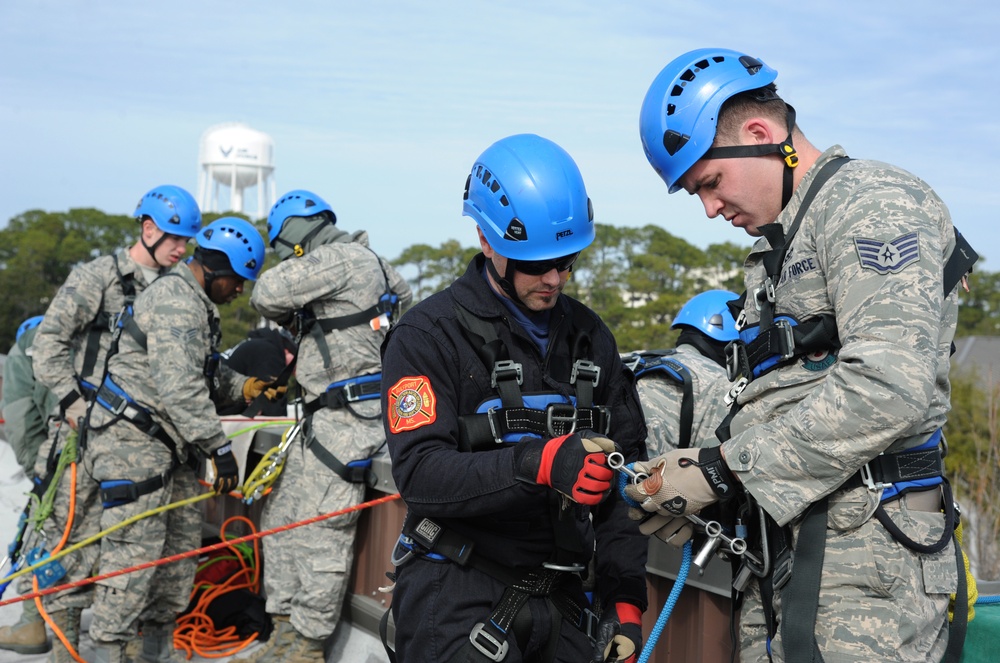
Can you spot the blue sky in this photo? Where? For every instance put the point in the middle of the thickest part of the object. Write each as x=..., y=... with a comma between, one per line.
x=381, y=107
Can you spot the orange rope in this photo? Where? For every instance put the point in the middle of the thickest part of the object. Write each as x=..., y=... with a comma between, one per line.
x=34, y=579
x=205, y=549
x=196, y=633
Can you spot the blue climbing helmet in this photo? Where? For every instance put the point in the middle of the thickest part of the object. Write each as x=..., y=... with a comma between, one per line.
x=30, y=323
x=680, y=113
x=708, y=313
x=172, y=209
x=296, y=203
x=239, y=241
x=527, y=195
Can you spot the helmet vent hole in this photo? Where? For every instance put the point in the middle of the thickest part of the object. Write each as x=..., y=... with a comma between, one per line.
x=676, y=91
x=486, y=177
x=670, y=109
x=701, y=64
x=495, y=186
x=687, y=76
x=504, y=201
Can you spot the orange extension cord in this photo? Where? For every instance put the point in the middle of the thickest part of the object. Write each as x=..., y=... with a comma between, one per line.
x=195, y=633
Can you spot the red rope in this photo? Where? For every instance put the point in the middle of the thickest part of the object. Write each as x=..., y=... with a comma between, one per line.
x=198, y=551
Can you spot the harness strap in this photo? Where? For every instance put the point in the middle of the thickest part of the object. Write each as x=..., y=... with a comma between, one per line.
x=103, y=323
x=340, y=394
x=117, y=492
x=959, y=625
x=485, y=430
x=355, y=471
x=660, y=364
x=800, y=603
x=115, y=401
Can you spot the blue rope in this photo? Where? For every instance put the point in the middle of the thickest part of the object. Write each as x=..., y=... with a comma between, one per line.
x=668, y=607
x=675, y=591
x=989, y=599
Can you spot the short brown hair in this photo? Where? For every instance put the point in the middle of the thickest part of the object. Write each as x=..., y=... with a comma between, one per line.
x=737, y=109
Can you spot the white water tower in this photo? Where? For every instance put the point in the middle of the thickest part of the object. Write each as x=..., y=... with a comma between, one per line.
x=234, y=157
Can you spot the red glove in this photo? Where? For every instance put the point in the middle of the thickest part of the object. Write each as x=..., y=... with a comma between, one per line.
x=619, y=635
x=575, y=466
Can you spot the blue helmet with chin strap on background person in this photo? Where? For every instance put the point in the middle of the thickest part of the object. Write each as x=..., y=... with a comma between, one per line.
x=527, y=195
x=30, y=323
x=299, y=203
x=708, y=313
x=239, y=241
x=680, y=113
x=172, y=209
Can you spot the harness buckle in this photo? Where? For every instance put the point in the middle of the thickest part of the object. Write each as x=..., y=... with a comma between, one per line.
x=585, y=369
x=490, y=414
x=787, y=337
x=767, y=290
x=589, y=623
x=349, y=394
x=736, y=390
x=504, y=370
x=868, y=479
x=486, y=644
x=782, y=572
x=737, y=361
x=566, y=415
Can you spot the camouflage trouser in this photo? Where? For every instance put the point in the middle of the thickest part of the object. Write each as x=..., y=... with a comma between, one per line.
x=307, y=569
x=878, y=601
x=151, y=595
x=86, y=523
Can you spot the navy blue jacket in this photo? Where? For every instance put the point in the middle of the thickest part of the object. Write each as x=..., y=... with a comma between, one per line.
x=476, y=493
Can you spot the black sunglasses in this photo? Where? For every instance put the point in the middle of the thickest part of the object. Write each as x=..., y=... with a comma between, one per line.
x=539, y=267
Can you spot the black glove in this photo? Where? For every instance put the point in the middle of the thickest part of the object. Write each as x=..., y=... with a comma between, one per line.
x=619, y=635
x=227, y=472
x=576, y=467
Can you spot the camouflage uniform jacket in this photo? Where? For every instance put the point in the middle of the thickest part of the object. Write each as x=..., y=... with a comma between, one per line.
x=336, y=279
x=26, y=403
x=167, y=377
x=807, y=426
x=662, y=398
x=60, y=347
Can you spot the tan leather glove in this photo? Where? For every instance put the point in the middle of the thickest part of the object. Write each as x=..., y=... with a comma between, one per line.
x=683, y=481
x=672, y=530
x=254, y=387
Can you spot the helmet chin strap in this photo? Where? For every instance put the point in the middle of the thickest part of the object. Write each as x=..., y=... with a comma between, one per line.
x=506, y=282
x=152, y=249
x=785, y=149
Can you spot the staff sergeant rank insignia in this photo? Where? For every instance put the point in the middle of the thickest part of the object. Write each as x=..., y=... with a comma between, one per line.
x=412, y=404
x=888, y=257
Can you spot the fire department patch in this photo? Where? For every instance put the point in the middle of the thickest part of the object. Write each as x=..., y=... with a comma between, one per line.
x=412, y=404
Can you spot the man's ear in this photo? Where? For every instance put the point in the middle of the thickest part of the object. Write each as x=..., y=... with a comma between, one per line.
x=485, y=245
x=759, y=131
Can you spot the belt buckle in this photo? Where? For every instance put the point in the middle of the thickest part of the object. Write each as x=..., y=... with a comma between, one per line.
x=488, y=646
x=552, y=418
